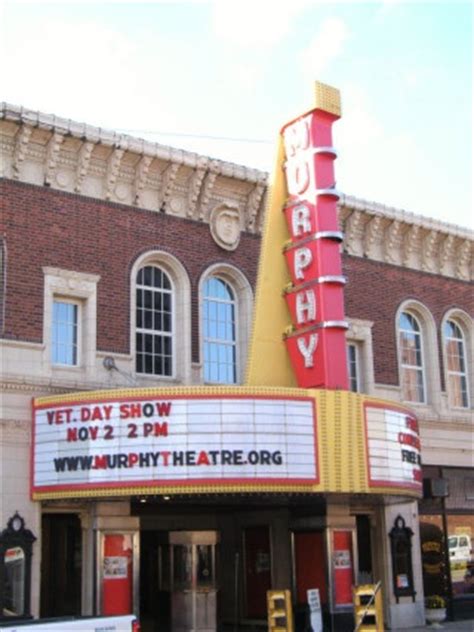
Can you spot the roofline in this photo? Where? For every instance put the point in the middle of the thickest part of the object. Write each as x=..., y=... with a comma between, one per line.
x=90, y=133
x=389, y=212
x=110, y=138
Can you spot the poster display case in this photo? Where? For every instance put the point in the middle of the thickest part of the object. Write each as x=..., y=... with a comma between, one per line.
x=118, y=572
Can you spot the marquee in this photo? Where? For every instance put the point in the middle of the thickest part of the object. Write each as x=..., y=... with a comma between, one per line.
x=221, y=440
x=171, y=439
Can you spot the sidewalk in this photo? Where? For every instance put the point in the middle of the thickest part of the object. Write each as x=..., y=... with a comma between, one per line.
x=447, y=626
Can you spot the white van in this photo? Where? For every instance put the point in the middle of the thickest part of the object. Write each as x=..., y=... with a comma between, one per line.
x=126, y=623
x=460, y=549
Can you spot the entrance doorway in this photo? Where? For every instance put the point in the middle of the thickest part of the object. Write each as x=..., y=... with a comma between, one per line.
x=309, y=560
x=364, y=549
x=310, y=565
x=193, y=581
x=179, y=581
x=61, y=568
x=258, y=570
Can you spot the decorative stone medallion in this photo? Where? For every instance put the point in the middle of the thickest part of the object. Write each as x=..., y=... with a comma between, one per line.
x=121, y=192
x=63, y=178
x=225, y=226
x=176, y=206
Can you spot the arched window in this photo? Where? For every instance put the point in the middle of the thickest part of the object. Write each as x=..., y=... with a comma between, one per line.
x=160, y=318
x=219, y=331
x=154, y=322
x=411, y=358
x=456, y=369
x=225, y=306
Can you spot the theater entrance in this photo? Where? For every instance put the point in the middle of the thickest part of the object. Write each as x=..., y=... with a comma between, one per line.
x=178, y=581
x=193, y=580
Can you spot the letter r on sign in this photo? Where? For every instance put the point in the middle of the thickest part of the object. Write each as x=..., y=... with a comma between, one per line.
x=300, y=220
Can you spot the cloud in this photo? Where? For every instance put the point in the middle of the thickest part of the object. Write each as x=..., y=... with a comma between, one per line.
x=257, y=24
x=387, y=10
x=411, y=78
x=377, y=162
x=359, y=122
x=52, y=59
x=328, y=44
x=91, y=71
x=247, y=76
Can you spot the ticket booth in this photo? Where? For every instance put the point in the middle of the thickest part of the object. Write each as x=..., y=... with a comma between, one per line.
x=193, y=580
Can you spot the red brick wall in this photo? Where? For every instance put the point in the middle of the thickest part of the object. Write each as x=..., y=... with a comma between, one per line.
x=374, y=292
x=50, y=228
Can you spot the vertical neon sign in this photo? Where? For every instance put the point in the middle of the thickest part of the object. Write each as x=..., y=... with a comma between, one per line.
x=316, y=344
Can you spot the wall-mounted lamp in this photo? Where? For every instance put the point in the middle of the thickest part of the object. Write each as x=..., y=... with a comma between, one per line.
x=109, y=364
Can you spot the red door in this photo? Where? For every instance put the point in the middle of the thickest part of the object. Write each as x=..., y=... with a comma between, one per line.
x=310, y=565
x=258, y=571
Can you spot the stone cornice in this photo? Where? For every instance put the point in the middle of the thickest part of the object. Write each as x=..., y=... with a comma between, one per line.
x=352, y=203
x=404, y=239
x=47, y=150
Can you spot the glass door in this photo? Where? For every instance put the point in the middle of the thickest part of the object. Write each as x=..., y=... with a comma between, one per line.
x=193, y=580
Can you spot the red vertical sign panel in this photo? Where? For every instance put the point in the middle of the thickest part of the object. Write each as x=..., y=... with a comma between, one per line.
x=117, y=574
x=342, y=567
x=315, y=299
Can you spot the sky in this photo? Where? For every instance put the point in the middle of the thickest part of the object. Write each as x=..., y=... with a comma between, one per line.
x=221, y=78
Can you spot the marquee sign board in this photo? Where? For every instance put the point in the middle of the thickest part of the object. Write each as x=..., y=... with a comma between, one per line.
x=393, y=448
x=202, y=440
x=221, y=440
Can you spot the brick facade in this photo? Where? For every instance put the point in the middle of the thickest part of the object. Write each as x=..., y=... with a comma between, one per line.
x=46, y=228
x=374, y=292
x=50, y=228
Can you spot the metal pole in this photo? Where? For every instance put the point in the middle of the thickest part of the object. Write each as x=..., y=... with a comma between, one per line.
x=450, y=608
x=236, y=591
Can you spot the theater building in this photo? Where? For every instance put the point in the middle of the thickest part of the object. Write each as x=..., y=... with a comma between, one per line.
x=165, y=434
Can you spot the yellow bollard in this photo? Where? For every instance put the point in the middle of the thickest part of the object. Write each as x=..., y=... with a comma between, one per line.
x=371, y=595
x=280, y=612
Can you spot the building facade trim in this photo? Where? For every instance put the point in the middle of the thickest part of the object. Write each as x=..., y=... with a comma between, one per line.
x=73, y=157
